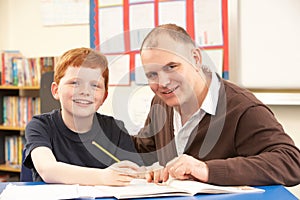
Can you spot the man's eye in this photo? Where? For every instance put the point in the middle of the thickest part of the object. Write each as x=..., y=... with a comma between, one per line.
x=169, y=67
x=151, y=75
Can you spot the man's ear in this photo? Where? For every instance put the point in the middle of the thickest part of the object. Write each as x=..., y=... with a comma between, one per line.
x=197, y=56
x=54, y=90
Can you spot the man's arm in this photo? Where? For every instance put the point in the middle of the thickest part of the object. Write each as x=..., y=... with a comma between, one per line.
x=267, y=155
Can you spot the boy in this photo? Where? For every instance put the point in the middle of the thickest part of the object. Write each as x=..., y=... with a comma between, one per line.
x=63, y=146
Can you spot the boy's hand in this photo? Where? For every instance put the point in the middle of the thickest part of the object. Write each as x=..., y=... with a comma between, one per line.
x=129, y=168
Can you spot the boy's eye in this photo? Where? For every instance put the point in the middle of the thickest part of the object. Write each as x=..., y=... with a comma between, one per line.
x=96, y=85
x=74, y=82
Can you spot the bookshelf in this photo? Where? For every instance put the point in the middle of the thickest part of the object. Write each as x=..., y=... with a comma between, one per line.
x=11, y=87
x=20, y=92
x=10, y=168
x=10, y=132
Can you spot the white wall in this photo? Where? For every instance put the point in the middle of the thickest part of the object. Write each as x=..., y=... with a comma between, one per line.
x=21, y=28
x=4, y=22
x=239, y=10
x=269, y=44
x=289, y=117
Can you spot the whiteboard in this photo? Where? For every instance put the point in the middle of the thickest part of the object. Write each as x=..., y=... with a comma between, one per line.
x=269, y=44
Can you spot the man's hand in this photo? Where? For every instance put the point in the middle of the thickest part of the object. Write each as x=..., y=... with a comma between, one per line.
x=186, y=167
x=182, y=167
x=155, y=173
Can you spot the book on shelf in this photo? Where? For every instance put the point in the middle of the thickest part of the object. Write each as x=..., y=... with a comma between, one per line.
x=7, y=65
x=139, y=188
x=11, y=150
x=17, y=70
x=18, y=111
x=14, y=146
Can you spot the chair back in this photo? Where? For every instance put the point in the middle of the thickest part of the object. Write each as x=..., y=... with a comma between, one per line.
x=26, y=174
x=48, y=103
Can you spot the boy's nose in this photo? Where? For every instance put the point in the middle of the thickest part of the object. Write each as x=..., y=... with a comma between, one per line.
x=84, y=89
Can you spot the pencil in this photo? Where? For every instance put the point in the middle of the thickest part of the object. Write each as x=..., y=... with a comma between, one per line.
x=105, y=151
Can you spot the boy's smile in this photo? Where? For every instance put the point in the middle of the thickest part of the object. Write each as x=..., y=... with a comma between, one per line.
x=81, y=92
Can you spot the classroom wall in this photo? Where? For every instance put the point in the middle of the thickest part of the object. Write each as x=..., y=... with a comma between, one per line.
x=21, y=28
x=269, y=44
x=287, y=115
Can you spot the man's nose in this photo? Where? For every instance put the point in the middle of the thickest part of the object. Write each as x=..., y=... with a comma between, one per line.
x=163, y=80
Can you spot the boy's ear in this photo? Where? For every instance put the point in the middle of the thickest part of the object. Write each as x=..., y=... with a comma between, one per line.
x=54, y=90
x=105, y=95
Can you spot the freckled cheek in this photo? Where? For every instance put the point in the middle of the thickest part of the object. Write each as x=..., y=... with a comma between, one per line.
x=68, y=93
x=99, y=95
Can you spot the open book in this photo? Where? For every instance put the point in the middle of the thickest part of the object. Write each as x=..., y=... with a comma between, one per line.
x=139, y=188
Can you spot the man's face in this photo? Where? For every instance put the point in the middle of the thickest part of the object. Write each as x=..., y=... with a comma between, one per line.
x=174, y=78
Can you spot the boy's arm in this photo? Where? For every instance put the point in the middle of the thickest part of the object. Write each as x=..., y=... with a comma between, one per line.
x=52, y=171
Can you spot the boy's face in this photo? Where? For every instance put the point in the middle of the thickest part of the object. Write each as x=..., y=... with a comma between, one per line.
x=81, y=92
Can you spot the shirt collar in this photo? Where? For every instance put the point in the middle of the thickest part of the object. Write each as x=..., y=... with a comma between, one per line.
x=210, y=102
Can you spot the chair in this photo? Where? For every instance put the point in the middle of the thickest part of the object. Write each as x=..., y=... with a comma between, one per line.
x=48, y=103
x=26, y=174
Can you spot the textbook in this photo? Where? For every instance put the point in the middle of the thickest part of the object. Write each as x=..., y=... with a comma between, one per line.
x=139, y=188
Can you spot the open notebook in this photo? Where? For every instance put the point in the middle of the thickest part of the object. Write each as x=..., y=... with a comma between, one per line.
x=137, y=189
x=140, y=188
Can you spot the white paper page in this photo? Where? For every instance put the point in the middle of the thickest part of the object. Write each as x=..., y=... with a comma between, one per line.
x=141, y=188
x=64, y=12
x=141, y=20
x=268, y=46
x=140, y=77
x=45, y=192
x=50, y=192
x=139, y=1
x=208, y=22
x=111, y=37
x=195, y=187
x=139, y=104
x=106, y=3
x=172, y=12
x=91, y=192
x=214, y=59
x=119, y=69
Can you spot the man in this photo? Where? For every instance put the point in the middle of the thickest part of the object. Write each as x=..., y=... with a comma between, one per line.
x=206, y=128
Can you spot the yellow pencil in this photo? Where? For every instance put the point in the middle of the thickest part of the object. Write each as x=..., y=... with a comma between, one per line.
x=105, y=151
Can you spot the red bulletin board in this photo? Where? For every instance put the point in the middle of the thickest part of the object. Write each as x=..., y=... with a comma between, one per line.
x=116, y=19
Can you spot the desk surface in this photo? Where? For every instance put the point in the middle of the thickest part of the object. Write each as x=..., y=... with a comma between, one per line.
x=271, y=192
